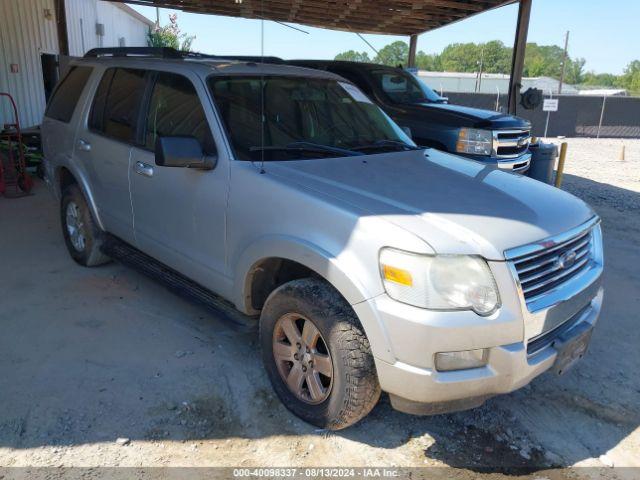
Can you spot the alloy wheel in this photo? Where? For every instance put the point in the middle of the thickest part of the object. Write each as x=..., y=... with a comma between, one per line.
x=302, y=358
x=75, y=226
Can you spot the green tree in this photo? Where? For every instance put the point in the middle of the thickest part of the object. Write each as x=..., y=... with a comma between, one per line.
x=460, y=57
x=631, y=77
x=574, y=72
x=170, y=36
x=353, y=56
x=543, y=60
x=599, y=79
x=428, y=61
x=394, y=54
x=496, y=57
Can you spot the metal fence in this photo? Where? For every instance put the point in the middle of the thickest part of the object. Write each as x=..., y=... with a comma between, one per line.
x=577, y=115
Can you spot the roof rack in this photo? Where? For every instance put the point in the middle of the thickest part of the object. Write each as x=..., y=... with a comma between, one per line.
x=250, y=58
x=168, y=52
x=159, y=52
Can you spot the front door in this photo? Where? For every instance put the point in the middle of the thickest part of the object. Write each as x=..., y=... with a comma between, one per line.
x=179, y=213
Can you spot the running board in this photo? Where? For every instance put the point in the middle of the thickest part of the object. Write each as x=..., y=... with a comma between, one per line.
x=174, y=281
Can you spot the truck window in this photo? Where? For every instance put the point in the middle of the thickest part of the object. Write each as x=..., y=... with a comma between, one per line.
x=175, y=110
x=66, y=96
x=403, y=87
x=115, y=108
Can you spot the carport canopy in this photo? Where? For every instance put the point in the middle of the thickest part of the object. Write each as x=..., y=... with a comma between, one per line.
x=396, y=17
x=393, y=17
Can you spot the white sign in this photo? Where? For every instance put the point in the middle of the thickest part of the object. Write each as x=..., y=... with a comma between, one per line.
x=550, y=105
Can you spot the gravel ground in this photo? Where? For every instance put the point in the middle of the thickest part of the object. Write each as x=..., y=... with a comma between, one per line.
x=103, y=367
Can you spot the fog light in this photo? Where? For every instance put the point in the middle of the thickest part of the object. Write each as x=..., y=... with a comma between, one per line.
x=447, y=361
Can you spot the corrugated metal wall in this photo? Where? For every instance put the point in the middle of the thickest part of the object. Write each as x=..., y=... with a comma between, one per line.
x=82, y=17
x=25, y=33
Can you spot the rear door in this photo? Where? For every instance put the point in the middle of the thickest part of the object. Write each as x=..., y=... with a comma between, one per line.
x=180, y=212
x=104, y=143
x=58, y=126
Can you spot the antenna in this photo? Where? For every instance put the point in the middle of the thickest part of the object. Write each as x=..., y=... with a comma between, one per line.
x=262, y=86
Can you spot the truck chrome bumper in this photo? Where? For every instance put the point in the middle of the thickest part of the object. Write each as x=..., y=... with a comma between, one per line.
x=516, y=165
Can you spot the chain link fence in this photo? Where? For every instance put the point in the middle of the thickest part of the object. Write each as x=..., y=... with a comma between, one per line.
x=577, y=115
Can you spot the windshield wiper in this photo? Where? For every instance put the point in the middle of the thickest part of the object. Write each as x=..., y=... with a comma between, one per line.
x=305, y=147
x=381, y=144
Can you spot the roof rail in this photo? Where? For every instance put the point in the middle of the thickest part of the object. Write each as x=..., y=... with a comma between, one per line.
x=159, y=52
x=167, y=52
x=251, y=58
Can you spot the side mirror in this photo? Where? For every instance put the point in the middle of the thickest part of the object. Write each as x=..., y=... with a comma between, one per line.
x=183, y=152
x=407, y=131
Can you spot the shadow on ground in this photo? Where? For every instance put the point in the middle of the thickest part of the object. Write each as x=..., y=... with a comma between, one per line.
x=92, y=355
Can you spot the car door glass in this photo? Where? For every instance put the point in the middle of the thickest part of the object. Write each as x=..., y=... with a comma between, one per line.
x=175, y=110
x=116, y=104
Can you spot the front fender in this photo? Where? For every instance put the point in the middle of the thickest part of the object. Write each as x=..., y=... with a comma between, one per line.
x=338, y=272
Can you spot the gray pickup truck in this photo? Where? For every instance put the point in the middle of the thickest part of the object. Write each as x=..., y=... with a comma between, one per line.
x=370, y=264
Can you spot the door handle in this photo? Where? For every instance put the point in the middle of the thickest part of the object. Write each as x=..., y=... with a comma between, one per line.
x=143, y=169
x=84, y=146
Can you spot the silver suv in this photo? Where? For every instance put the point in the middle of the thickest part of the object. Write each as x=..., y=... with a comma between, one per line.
x=372, y=265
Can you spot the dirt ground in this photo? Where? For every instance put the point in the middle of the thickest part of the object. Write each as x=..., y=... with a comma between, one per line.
x=104, y=367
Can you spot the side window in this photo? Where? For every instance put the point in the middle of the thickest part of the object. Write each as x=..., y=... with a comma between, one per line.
x=175, y=110
x=116, y=104
x=66, y=96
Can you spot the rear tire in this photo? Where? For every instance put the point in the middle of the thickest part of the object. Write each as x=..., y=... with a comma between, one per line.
x=339, y=385
x=81, y=234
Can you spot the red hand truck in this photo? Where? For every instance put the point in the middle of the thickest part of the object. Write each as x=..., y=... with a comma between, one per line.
x=13, y=170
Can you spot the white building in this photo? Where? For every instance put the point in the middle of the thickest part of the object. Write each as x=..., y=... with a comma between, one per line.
x=605, y=92
x=490, y=83
x=37, y=35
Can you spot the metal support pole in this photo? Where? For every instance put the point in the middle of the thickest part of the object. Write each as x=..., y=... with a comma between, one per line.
x=517, y=60
x=604, y=103
x=61, y=27
x=563, y=157
x=564, y=62
x=413, y=46
x=546, y=125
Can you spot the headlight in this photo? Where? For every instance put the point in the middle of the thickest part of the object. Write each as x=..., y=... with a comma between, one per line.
x=439, y=282
x=474, y=141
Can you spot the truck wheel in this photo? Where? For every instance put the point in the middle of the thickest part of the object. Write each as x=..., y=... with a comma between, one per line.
x=317, y=355
x=81, y=235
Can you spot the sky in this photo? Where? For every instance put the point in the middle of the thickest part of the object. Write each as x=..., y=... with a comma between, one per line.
x=605, y=33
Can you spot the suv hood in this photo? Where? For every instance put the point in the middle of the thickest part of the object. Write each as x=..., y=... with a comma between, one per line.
x=453, y=204
x=474, y=117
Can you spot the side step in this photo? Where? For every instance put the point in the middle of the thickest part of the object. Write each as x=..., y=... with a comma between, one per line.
x=174, y=281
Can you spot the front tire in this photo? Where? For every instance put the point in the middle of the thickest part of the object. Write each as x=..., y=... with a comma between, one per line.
x=81, y=234
x=317, y=355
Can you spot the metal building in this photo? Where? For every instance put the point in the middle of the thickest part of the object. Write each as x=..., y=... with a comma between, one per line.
x=36, y=36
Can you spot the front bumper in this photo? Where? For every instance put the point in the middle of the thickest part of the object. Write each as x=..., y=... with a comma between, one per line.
x=519, y=164
x=427, y=391
x=516, y=353
x=516, y=165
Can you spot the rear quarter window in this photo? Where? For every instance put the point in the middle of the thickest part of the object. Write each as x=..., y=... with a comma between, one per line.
x=64, y=100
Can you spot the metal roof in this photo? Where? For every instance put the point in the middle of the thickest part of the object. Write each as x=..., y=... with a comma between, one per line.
x=397, y=17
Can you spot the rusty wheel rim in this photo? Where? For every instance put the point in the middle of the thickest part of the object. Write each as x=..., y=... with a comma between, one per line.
x=302, y=358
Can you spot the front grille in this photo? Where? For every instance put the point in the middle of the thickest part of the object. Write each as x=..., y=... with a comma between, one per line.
x=544, y=270
x=510, y=143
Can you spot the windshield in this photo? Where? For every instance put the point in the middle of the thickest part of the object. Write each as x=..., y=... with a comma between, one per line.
x=404, y=87
x=303, y=118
